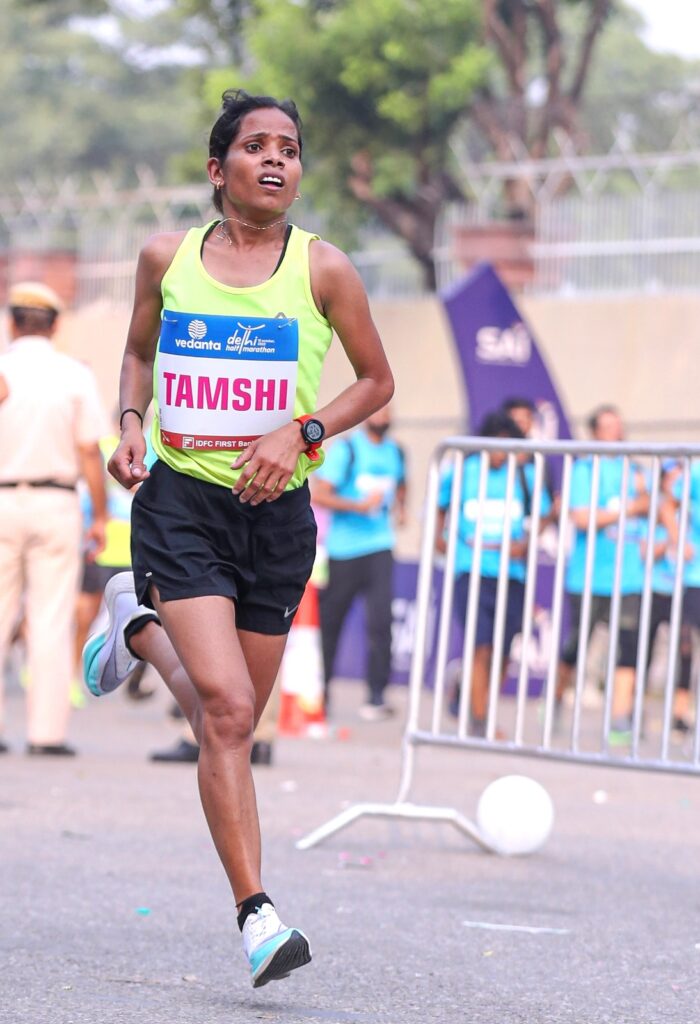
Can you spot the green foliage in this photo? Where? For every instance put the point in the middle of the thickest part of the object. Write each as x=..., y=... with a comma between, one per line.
x=646, y=95
x=387, y=78
x=385, y=88
x=74, y=103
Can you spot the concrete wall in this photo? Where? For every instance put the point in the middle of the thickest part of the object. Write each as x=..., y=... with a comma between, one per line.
x=639, y=353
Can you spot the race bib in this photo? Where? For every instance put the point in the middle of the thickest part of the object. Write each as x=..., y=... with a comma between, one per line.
x=223, y=381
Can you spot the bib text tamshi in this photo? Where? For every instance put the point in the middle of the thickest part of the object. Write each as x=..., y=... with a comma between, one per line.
x=223, y=381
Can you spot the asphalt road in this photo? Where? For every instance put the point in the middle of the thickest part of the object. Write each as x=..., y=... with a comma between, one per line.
x=115, y=909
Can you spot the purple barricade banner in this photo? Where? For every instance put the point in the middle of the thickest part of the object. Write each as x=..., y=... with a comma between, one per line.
x=498, y=353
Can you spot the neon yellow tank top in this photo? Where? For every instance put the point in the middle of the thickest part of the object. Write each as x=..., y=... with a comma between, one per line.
x=234, y=363
x=117, y=549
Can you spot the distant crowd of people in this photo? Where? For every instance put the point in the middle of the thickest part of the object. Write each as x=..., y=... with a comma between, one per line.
x=516, y=419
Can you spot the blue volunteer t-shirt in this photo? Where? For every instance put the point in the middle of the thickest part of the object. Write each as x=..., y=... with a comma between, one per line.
x=606, y=539
x=493, y=514
x=357, y=467
x=691, y=571
x=663, y=576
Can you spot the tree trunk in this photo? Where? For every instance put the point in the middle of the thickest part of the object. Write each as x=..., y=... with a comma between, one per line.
x=412, y=219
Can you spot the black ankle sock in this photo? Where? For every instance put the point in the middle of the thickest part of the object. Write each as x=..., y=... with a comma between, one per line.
x=250, y=905
x=136, y=625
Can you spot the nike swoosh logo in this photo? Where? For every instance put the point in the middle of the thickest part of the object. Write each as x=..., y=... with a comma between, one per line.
x=290, y=611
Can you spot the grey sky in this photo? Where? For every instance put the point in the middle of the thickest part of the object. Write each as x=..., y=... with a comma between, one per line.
x=673, y=25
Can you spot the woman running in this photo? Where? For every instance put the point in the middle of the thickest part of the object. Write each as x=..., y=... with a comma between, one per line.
x=230, y=327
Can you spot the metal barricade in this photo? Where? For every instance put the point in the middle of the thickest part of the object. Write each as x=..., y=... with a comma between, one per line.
x=517, y=724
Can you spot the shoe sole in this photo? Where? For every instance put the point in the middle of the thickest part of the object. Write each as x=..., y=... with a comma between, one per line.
x=294, y=953
x=123, y=583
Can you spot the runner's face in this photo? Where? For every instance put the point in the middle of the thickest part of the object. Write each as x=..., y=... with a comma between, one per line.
x=262, y=169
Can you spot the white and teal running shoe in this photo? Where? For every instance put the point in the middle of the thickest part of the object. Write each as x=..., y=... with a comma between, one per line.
x=273, y=950
x=107, y=661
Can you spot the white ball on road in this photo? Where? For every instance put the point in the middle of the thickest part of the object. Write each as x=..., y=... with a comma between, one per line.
x=515, y=815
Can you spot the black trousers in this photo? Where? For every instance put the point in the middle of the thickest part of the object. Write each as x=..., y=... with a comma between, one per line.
x=661, y=612
x=372, y=577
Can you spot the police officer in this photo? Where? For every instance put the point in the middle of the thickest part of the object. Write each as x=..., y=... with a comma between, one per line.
x=51, y=420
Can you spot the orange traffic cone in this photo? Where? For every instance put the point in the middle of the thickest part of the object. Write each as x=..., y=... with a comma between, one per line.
x=301, y=697
x=301, y=691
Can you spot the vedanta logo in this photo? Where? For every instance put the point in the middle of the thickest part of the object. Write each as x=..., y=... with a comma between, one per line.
x=197, y=329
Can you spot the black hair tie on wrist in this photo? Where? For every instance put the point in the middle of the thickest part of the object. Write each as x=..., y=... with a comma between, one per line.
x=121, y=418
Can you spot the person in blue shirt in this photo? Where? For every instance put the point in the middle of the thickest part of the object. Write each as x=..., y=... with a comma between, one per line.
x=606, y=425
x=363, y=484
x=691, y=582
x=493, y=512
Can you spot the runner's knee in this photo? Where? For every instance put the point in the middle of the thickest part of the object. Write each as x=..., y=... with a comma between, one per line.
x=228, y=718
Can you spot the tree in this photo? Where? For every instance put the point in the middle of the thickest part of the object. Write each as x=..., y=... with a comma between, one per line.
x=394, y=82
x=533, y=48
x=393, y=89
x=385, y=82
x=636, y=95
x=75, y=101
x=219, y=25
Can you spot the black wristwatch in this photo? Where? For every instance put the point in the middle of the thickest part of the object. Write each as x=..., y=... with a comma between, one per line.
x=313, y=433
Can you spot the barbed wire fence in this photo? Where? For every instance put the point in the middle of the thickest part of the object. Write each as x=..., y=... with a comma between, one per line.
x=627, y=221
x=619, y=221
x=105, y=226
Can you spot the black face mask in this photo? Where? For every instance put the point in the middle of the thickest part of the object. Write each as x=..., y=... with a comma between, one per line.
x=381, y=430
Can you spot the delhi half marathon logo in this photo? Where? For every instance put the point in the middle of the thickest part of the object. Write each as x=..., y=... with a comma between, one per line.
x=197, y=329
x=245, y=338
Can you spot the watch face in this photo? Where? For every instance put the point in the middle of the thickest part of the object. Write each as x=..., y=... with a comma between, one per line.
x=313, y=431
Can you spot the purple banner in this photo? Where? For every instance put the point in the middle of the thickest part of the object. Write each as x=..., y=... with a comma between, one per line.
x=499, y=356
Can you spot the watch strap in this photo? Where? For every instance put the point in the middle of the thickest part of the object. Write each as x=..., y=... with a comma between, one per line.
x=312, y=447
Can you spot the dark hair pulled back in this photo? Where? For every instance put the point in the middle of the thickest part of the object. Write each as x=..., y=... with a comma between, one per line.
x=235, y=104
x=499, y=424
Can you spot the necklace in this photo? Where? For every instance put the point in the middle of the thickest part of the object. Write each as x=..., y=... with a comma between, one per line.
x=223, y=233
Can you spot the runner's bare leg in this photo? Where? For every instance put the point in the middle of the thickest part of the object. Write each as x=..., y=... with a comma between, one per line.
x=205, y=662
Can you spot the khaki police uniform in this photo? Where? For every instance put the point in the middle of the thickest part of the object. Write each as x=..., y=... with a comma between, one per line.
x=51, y=406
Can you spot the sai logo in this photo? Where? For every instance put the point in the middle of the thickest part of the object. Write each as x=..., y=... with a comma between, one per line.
x=197, y=329
x=507, y=345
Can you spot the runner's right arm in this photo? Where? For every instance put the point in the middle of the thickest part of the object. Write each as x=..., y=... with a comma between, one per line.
x=136, y=379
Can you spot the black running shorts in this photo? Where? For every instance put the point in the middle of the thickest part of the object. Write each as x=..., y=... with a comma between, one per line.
x=195, y=539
